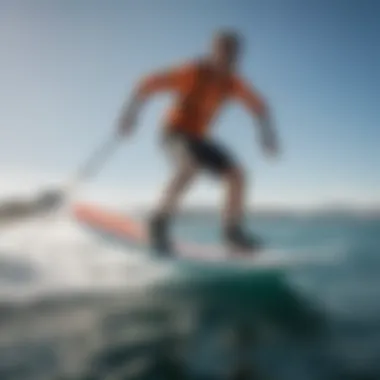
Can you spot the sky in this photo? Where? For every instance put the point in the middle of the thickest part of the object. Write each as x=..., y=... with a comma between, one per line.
x=67, y=67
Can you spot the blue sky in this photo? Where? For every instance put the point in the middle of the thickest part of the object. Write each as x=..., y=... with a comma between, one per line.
x=67, y=66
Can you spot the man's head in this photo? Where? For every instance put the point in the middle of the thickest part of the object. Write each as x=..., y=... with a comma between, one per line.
x=226, y=49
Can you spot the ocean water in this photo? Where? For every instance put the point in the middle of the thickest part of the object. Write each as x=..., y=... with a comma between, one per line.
x=74, y=305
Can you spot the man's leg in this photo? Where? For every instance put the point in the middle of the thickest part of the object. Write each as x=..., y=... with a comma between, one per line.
x=235, y=196
x=176, y=188
x=219, y=161
x=234, y=211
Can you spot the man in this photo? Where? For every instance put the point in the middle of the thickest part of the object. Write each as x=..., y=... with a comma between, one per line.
x=201, y=88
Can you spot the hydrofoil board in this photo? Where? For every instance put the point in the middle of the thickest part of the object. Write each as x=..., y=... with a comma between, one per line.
x=133, y=234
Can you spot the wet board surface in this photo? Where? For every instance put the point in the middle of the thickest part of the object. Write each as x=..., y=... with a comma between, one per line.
x=119, y=226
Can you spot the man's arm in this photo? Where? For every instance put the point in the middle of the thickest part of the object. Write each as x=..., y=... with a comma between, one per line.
x=257, y=106
x=148, y=86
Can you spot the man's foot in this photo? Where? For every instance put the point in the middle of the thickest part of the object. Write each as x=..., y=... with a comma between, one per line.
x=158, y=234
x=237, y=239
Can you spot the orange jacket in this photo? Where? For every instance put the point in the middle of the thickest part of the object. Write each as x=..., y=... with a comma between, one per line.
x=200, y=93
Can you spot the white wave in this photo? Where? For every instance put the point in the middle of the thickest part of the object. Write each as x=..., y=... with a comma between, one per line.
x=61, y=256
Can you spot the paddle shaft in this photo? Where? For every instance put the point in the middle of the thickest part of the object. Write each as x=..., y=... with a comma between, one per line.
x=98, y=158
x=93, y=164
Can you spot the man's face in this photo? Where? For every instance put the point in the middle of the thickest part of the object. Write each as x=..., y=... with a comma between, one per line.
x=226, y=53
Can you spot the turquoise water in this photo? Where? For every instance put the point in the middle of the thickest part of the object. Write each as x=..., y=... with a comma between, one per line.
x=344, y=293
x=318, y=318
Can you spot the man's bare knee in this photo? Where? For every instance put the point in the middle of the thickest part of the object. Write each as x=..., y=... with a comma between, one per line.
x=186, y=172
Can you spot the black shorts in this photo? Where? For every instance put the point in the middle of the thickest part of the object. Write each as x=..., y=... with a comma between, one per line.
x=208, y=154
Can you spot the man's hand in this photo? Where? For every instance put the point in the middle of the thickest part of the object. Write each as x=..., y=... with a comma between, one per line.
x=271, y=147
x=268, y=138
x=126, y=125
x=128, y=118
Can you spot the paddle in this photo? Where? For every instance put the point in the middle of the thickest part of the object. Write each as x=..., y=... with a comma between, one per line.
x=52, y=200
x=60, y=197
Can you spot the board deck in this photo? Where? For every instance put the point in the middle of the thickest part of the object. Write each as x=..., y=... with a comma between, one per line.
x=134, y=232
